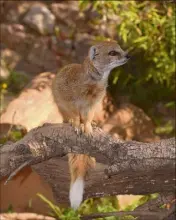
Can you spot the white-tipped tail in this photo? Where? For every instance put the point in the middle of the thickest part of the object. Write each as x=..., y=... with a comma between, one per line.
x=76, y=193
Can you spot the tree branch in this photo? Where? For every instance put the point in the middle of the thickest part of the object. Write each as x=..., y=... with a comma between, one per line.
x=133, y=167
x=142, y=215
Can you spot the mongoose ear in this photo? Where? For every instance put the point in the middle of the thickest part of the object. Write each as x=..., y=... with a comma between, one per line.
x=92, y=53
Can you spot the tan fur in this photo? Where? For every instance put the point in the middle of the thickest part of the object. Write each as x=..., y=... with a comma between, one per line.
x=77, y=89
x=79, y=165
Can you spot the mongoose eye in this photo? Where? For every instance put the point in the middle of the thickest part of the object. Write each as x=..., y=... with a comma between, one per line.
x=113, y=53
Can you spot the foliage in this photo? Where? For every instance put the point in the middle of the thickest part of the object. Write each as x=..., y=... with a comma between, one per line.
x=3, y=91
x=15, y=133
x=60, y=213
x=11, y=136
x=167, y=128
x=15, y=82
x=10, y=209
x=89, y=206
x=11, y=86
x=147, y=29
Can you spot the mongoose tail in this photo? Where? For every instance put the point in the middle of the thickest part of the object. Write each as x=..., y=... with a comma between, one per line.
x=79, y=165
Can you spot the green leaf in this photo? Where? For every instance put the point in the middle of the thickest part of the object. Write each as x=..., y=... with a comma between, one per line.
x=83, y=4
x=55, y=209
x=141, y=39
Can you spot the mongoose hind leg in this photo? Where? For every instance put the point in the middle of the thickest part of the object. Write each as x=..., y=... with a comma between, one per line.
x=73, y=119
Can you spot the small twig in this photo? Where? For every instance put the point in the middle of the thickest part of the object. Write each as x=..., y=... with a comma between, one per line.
x=17, y=170
x=11, y=126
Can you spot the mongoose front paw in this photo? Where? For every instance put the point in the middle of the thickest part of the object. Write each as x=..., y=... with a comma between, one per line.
x=77, y=130
x=88, y=130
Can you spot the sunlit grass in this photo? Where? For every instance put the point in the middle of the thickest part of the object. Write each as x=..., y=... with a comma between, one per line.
x=97, y=205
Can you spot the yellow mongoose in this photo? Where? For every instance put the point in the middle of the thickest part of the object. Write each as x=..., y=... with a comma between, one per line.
x=77, y=89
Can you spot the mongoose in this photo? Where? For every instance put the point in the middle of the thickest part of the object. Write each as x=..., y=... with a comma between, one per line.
x=77, y=89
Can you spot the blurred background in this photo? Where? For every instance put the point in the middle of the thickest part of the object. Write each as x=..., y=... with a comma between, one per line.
x=42, y=36
x=38, y=36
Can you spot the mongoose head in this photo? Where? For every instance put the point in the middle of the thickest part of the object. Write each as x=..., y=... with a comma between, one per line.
x=107, y=55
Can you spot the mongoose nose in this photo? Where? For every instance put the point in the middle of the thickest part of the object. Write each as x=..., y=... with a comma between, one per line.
x=128, y=56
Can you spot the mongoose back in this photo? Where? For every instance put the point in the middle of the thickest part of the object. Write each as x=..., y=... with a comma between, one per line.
x=77, y=89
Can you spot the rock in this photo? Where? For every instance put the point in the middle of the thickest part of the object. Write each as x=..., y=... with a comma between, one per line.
x=82, y=45
x=125, y=201
x=42, y=56
x=4, y=103
x=12, y=11
x=130, y=123
x=40, y=19
x=34, y=106
x=10, y=57
x=14, y=37
x=4, y=73
x=16, y=62
x=63, y=15
x=29, y=68
x=69, y=14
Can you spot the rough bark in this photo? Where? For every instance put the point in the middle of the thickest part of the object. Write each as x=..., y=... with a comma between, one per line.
x=166, y=213
x=133, y=167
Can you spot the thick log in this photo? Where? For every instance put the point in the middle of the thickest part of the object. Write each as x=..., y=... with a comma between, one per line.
x=132, y=167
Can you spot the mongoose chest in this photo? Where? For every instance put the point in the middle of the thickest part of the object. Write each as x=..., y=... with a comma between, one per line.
x=94, y=93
